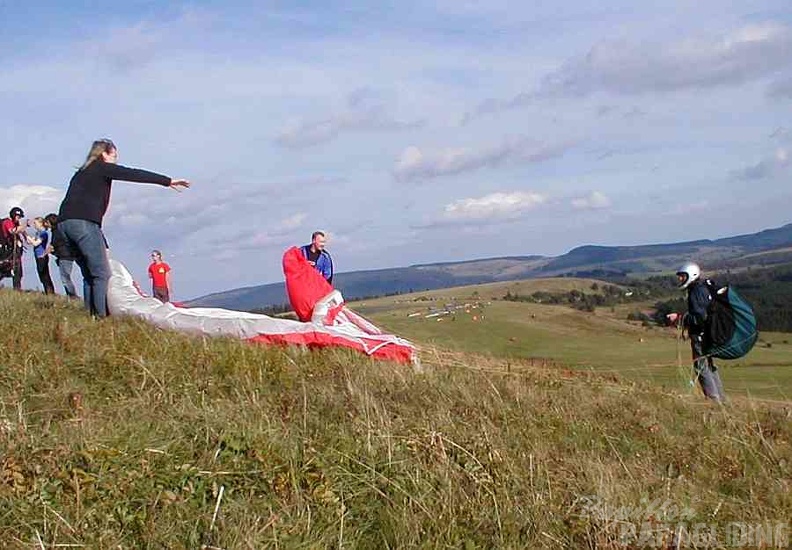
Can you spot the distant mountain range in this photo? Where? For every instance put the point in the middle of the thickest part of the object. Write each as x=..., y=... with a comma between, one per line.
x=771, y=246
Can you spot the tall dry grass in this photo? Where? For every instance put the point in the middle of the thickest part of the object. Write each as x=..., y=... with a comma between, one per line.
x=114, y=434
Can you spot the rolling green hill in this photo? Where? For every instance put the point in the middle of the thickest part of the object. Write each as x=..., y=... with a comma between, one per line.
x=767, y=247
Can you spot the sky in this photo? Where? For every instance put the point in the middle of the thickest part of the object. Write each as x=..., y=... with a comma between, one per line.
x=410, y=132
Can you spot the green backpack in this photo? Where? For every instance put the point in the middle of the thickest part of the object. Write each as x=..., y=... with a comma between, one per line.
x=732, y=324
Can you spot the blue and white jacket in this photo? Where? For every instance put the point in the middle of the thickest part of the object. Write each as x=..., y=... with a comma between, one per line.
x=323, y=263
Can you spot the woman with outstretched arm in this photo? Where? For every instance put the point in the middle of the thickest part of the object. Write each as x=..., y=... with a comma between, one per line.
x=83, y=208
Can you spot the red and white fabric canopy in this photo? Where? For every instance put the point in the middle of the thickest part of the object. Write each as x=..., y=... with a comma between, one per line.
x=332, y=324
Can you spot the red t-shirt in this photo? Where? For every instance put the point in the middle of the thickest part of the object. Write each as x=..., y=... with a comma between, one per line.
x=157, y=273
x=8, y=227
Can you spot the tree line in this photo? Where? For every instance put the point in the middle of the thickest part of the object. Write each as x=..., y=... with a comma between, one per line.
x=768, y=290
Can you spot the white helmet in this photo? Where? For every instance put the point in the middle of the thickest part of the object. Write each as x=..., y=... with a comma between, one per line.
x=691, y=272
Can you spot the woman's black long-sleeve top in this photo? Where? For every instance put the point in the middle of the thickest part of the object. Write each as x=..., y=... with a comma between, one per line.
x=89, y=189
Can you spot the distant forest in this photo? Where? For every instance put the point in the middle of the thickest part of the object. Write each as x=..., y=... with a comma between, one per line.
x=601, y=295
x=768, y=290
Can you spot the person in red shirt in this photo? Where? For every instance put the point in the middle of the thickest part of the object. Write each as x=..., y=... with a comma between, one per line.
x=13, y=229
x=159, y=273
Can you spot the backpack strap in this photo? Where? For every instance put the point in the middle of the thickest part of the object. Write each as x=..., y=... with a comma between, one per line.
x=715, y=288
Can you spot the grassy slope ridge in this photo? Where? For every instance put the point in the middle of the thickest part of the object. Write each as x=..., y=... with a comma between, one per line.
x=115, y=434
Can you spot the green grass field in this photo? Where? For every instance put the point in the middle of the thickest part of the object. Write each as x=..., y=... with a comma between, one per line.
x=115, y=434
x=603, y=341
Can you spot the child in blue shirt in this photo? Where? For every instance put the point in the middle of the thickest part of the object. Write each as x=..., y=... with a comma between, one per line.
x=41, y=249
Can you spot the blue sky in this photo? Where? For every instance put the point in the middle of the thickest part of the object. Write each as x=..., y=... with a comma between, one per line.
x=411, y=131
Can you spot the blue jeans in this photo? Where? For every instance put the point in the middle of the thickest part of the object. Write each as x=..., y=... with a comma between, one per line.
x=88, y=241
x=706, y=371
x=65, y=269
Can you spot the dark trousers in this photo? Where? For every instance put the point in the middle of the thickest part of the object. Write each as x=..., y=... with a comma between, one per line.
x=16, y=270
x=42, y=266
x=17, y=275
x=161, y=293
x=12, y=267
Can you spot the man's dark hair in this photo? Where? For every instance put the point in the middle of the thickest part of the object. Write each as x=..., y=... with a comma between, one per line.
x=317, y=234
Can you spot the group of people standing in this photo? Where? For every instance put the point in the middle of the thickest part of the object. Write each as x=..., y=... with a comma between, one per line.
x=74, y=234
x=45, y=242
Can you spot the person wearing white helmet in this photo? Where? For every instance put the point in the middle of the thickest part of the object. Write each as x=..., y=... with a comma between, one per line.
x=696, y=322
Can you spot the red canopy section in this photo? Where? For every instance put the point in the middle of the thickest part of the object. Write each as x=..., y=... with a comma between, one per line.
x=331, y=324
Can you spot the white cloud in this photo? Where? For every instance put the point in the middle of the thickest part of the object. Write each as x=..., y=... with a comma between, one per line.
x=781, y=89
x=772, y=166
x=133, y=220
x=495, y=206
x=746, y=54
x=293, y=222
x=595, y=200
x=365, y=112
x=782, y=134
x=278, y=234
x=685, y=209
x=701, y=61
x=35, y=200
x=492, y=105
x=133, y=46
x=204, y=219
x=414, y=164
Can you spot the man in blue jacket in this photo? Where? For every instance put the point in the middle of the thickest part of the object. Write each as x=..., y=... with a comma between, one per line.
x=318, y=257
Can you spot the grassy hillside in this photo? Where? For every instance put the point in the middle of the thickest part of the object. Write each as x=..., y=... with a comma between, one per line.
x=118, y=435
x=603, y=341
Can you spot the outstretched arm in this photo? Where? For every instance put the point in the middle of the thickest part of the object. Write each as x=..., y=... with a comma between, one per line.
x=124, y=173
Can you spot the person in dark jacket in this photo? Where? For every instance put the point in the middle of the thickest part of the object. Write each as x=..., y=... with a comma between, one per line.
x=696, y=321
x=83, y=208
x=64, y=256
x=13, y=229
x=318, y=257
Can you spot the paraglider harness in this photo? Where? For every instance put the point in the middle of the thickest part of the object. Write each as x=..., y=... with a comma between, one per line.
x=730, y=331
